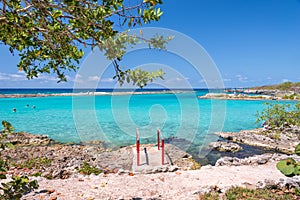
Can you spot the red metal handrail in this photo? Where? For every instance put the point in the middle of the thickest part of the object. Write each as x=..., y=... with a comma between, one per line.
x=137, y=147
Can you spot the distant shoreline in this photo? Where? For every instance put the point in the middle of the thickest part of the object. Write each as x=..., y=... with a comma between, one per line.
x=94, y=93
x=234, y=96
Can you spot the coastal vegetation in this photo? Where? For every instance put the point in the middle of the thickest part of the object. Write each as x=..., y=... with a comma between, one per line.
x=276, y=115
x=87, y=169
x=244, y=193
x=289, y=167
x=51, y=36
x=18, y=185
x=286, y=86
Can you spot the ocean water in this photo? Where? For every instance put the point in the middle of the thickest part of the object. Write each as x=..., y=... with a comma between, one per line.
x=115, y=118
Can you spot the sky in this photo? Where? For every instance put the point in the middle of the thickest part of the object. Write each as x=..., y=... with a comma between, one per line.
x=251, y=43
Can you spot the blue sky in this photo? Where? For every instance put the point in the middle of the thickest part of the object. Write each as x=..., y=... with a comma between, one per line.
x=252, y=42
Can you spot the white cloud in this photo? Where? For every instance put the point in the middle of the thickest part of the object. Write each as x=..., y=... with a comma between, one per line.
x=107, y=80
x=227, y=79
x=21, y=72
x=202, y=81
x=77, y=76
x=48, y=78
x=12, y=77
x=242, y=78
x=93, y=78
x=269, y=78
x=3, y=77
x=285, y=80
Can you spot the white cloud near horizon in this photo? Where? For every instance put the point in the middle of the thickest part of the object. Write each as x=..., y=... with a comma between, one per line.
x=285, y=80
x=12, y=77
x=242, y=78
x=93, y=78
x=227, y=79
x=107, y=80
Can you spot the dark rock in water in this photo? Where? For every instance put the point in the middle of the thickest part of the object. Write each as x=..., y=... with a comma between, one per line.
x=225, y=146
x=179, y=142
x=174, y=153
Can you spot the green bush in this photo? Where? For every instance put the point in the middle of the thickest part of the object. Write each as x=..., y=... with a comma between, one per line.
x=88, y=169
x=277, y=114
x=36, y=163
x=19, y=185
x=7, y=127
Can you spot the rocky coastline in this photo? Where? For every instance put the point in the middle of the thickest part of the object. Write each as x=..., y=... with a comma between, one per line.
x=250, y=94
x=50, y=162
x=38, y=155
x=64, y=160
x=93, y=93
x=224, y=96
x=283, y=139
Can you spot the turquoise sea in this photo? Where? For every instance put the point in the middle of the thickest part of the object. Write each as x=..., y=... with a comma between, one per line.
x=115, y=118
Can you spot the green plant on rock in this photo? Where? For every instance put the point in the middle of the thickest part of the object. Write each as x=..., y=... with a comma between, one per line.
x=19, y=185
x=36, y=163
x=87, y=169
x=7, y=127
x=277, y=114
x=289, y=167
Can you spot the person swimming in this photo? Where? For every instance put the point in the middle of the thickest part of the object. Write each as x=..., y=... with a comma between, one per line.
x=14, y=110
x=33, y=107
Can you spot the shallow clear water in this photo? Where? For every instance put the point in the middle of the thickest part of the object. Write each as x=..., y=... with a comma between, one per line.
x=115, y=118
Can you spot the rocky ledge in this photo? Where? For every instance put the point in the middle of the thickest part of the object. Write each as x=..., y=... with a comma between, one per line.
x=37, y=155
x=254, y=160
x=284, y=140
x=225, y=146
x=225, y=96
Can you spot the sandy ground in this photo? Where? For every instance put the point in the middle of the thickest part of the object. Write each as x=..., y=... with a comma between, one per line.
x=175, y=185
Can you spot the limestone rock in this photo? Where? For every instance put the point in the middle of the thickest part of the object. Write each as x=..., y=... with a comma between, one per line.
x=283, y=141
x=225, y=146
x=253, y=160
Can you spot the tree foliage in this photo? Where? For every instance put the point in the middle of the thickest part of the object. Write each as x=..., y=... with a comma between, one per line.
x=277, y=114
x=49, y=35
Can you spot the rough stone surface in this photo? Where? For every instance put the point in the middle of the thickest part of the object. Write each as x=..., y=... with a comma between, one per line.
x=225, y=146
x=254, y=160
x=186, y=185
x=284, y=141
x=290, y=182
x=35, y=154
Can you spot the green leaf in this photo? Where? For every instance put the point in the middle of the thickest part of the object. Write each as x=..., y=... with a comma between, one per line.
x=286, y=167
x=297, y=150
x=9, y=145
x=2, y=176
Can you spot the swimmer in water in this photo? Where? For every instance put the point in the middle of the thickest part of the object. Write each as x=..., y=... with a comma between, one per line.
x=33, y=106
x=14, y=110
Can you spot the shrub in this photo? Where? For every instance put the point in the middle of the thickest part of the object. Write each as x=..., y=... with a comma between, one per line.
x=88, y=169
x=19, y=185
x=277, y=114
